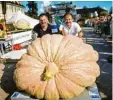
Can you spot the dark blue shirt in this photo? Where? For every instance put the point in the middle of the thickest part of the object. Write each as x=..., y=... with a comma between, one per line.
x=40, y=32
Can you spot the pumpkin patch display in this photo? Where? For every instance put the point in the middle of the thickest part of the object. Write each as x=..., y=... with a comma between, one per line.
x=57, y=66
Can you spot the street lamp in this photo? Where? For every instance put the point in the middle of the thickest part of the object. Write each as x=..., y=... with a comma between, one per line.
x=4, y=7
x=4, y=10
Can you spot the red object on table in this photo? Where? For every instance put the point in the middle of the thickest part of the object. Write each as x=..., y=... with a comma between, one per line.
x=16, y=47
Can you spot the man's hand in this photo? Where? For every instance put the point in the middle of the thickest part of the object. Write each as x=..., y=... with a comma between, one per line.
x=63, y=32
x=80, y=34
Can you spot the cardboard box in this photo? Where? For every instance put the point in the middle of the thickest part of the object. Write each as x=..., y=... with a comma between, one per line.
x=90, y=93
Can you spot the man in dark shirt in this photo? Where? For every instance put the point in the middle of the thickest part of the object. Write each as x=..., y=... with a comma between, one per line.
x=43, y=27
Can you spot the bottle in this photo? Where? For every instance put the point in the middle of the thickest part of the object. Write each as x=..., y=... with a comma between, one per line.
x=54, y=27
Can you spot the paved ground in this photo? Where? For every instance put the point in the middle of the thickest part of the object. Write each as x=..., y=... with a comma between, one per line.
x=7, y=85
x=104, y=81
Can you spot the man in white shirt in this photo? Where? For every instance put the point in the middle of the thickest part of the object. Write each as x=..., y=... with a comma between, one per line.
x=69, y=27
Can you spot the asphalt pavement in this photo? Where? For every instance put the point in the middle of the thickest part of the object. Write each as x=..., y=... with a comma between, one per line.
x=104, y=81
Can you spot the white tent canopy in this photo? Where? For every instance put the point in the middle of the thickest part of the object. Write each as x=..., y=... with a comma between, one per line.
x=19, y=15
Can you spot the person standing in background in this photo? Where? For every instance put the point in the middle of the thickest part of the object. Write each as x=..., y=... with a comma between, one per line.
x=81, y=22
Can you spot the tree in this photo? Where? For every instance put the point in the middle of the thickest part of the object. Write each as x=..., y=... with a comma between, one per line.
x=86, y=13
x=32, y=5
x=2, y=20
x=103, y=13
x=110, y=11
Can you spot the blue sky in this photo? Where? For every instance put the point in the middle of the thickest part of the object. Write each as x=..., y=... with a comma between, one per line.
x=79, y=4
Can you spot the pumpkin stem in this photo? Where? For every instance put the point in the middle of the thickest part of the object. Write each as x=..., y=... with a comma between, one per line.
x=50, y=71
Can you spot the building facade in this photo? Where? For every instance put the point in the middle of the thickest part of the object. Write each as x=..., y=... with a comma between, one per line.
x=11, y=8
x=61, y=8
x=92, y=11
x=65, y=7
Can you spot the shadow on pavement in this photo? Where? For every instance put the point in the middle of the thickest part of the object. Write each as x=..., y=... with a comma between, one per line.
x=7, y=83
x=104, y=81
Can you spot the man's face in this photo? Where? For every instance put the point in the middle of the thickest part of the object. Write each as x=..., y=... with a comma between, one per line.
x=101, y=18
x=43, y=20
x=68, y=20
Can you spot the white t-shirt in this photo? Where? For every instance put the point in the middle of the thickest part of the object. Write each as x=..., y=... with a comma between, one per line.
x=74, y=30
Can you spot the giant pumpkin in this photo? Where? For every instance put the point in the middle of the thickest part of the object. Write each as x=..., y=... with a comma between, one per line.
x=57, y=66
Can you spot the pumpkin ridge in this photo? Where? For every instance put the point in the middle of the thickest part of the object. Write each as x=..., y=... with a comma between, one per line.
x=37, y=52
x=51, y=93
x=28, y=58
x=35, y=56
x=57, y=50
x=53, y=44
x=71, y=89
x=60, y=46
x=71, y=80
x=41, y=41
x=84, y=75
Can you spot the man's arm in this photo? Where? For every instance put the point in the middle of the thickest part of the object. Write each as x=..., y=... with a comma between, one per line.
x=35, y=32
x=62, y=30
x=34, y=35
x=79, y=30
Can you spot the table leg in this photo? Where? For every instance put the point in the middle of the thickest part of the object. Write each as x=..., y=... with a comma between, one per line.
x=2, y=49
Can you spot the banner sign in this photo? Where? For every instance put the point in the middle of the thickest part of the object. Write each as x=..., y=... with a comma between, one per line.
x=21, y=37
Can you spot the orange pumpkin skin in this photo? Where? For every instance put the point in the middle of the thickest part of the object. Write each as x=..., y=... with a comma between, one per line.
x=57, y=66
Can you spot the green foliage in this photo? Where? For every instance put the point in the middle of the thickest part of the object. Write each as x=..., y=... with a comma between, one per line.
x=2, y=20
x=103, y=13
x=86, y=13
x=32, y=12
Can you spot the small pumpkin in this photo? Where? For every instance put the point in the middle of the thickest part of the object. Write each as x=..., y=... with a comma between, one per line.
x=22, y=24
x=57, y=66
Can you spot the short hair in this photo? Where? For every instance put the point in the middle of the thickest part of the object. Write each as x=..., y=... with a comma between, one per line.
x=68, y=14
x=81, y=19
x=43, y=14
